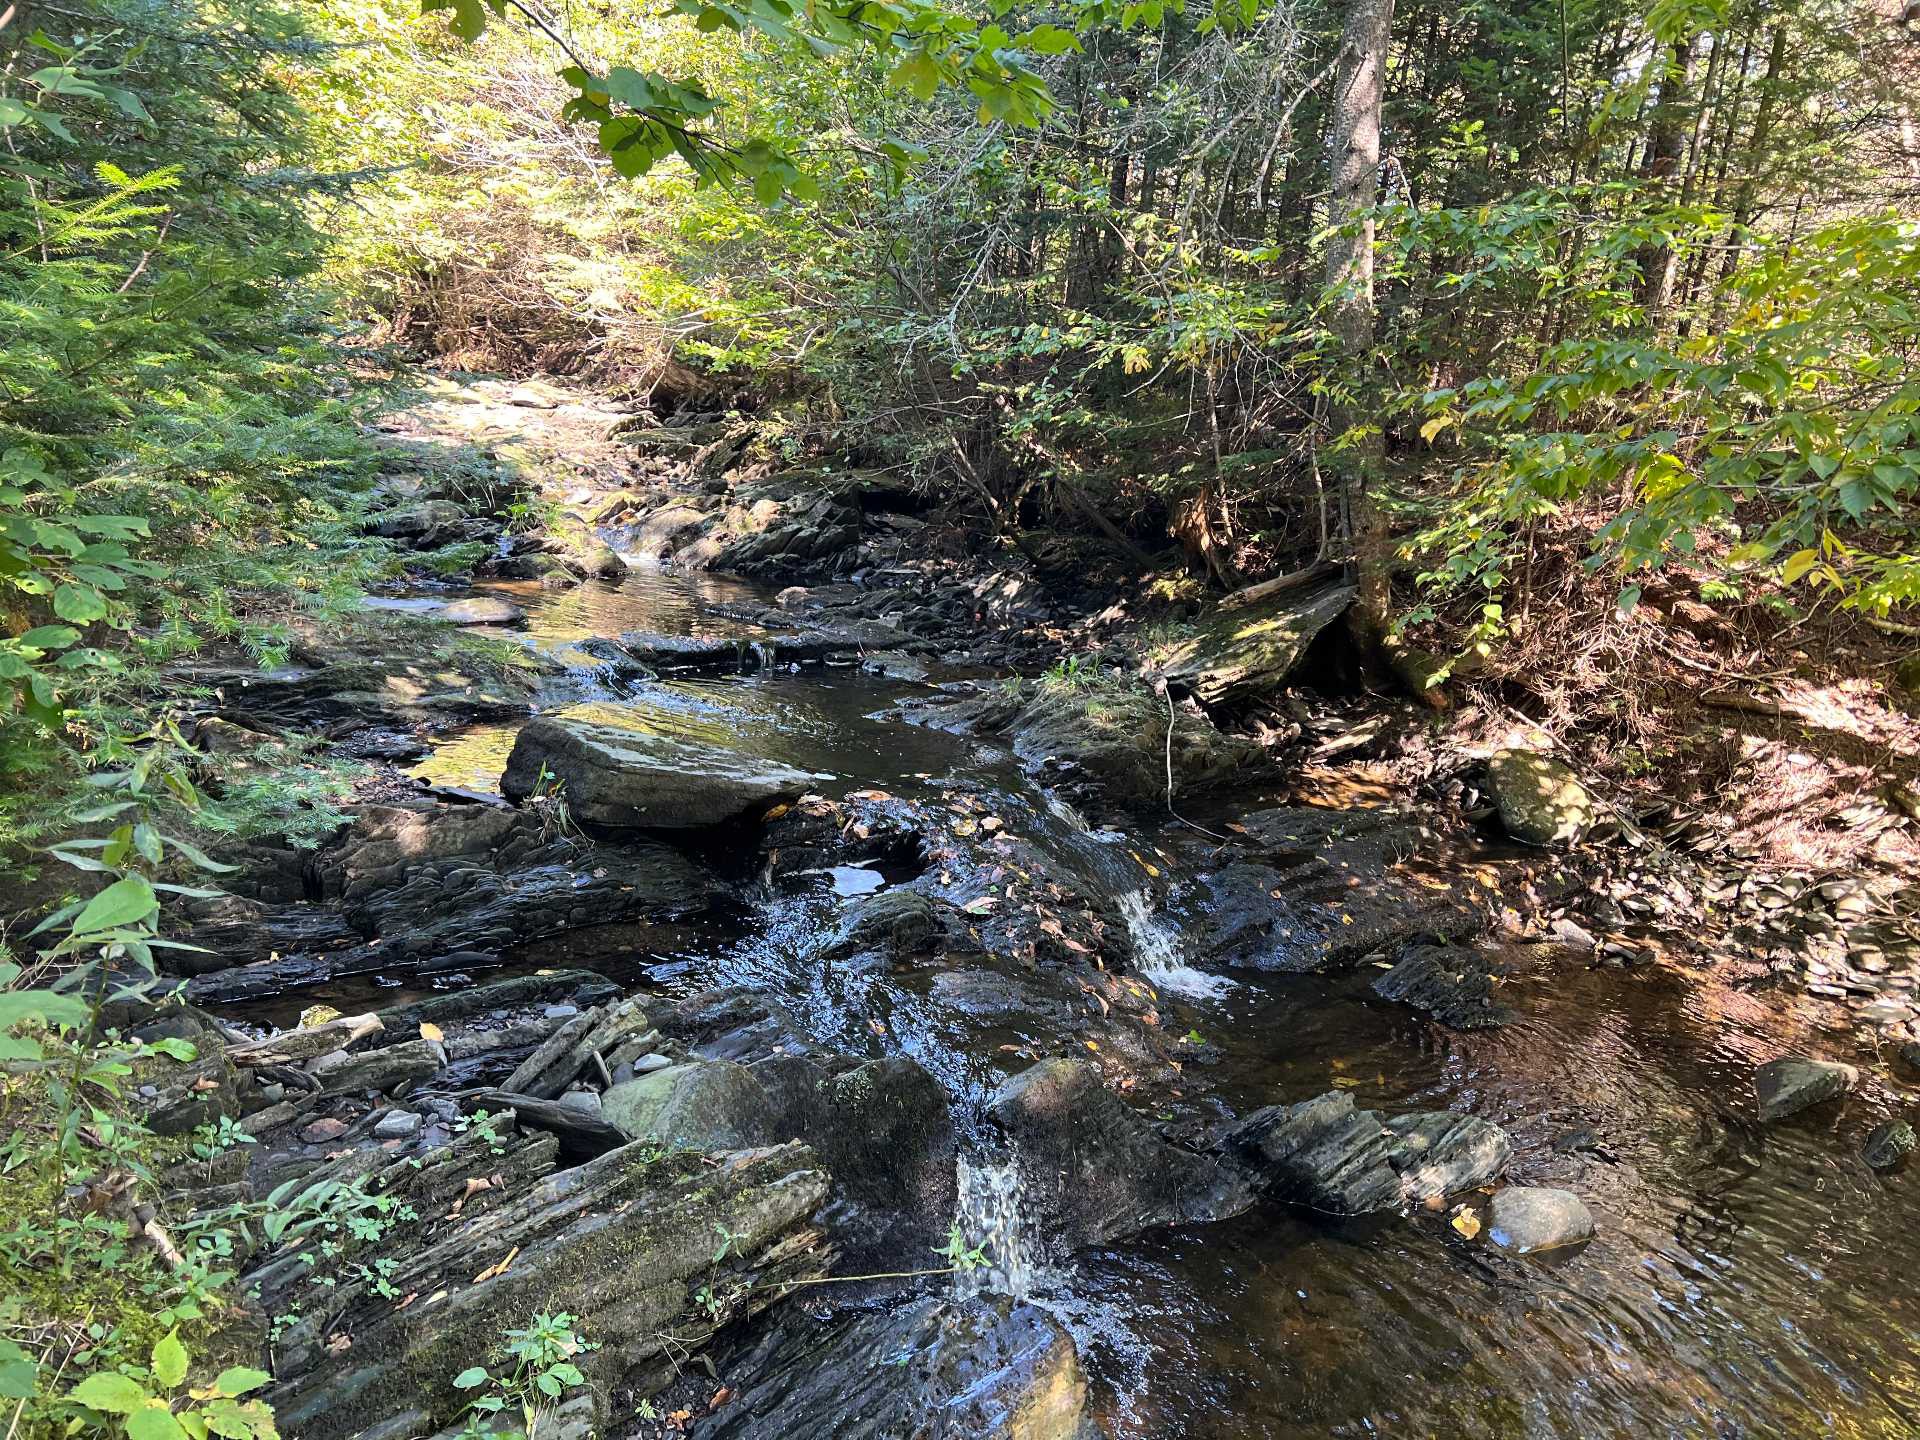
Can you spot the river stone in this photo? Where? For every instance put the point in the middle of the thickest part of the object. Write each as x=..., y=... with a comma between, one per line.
x=1441, y=1153
x=700, y=1105
x=1452, y=983
x=1790, y=1084
x=897, y=922
x=1093, y=1166
x=603, y=562
x=1889, y=1145
x=1529, y=1218
x=481, y=610
x=629, y=779
x=931, y=1368
x=1251, y=651
x=1541, y=801
x=419, y=523
x=397, y=1125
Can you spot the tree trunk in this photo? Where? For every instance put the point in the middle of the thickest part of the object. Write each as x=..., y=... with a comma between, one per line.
x=1353, y=155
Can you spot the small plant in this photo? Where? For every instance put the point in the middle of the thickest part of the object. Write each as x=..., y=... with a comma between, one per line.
x=212, y=1140
x=535, y=1371
x=961, y=1256
x=148, y=1403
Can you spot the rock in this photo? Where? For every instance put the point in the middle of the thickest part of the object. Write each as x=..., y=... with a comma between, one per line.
x=1095, y=1167
x=899, y=923
x=321, y=1131
x=1790, y=1084
x=931, y=1367
x=582, y=1134
x=895, y=665
x=420, y=525
x=1889, y=1145
x=1246, y=922
x=1251, y=650
x=628, y=779
x=396, y=1065
x=699, y=1105
x=622, y=1242
x=481, y=610
x=1325, y=1154
x=1452, y=983
x=1527, y=1219
x=397, y=1125
x=603, y=562
x=1540, y=799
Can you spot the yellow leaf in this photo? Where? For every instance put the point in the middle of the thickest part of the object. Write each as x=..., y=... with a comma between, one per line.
x=1798, y=564
x=1434, y=426
x=1093, y=1047
x=1151, y=869
x=317, y=1015
x=430, y=1031
x=1467, y=1223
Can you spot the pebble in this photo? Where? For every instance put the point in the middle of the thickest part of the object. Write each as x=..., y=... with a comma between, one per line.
x=1889, y=1145
x=560, y=1012
x=397, y=1125
x=321, y=1131
x=1529, y=1218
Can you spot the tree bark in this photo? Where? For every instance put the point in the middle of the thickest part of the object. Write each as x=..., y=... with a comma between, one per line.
x=1353, y=155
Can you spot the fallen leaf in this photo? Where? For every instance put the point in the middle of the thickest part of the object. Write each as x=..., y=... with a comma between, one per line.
x=720, y=1397
x=493, y=1271
x=316, y=1015
x=339, y=1344
x=1146, y=865
x=1467, y=1223
x=1091, y=1046
x=431, y=1031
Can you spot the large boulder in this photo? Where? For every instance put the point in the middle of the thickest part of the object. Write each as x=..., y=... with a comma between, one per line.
x=700, y=1105
x=630, y=779
x=932, y=1367
x=1252, y=650
x=1541, y=800
x=1094, y=1167
x=1790, y=1084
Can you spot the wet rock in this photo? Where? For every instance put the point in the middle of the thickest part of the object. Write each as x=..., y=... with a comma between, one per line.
x=397, y=1125
x=582, y=1134
x=894, y=922
x=481, y=610
x=806, y=539
x=895, y=665
x=1889, y=1145
x=421, y=525
x=1541, y=801
x=622, y=1242
x=699, y=1105
x=933, y=1367
x=1325, y=1154
x=1252, y=649
x=629, y=779
x=1527, y=1219
x=603, y=562
x=1790, y=1084
x=1453, y=984
x=1094, y=1166
x=1248, y=923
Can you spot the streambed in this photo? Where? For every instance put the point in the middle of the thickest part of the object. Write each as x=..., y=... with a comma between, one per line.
x=1744, y=1281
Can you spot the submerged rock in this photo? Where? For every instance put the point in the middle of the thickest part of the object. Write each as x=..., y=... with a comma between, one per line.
x=630, y=779
x=934, y=1367
x=481, y=610
x=1452, y=983
x=1527, y=1219
x=1889, y=1145
x=894, y=922
x=1790, y=1084
x=1541, y=800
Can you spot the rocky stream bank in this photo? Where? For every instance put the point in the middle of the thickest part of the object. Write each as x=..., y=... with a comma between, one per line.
x=744, y=940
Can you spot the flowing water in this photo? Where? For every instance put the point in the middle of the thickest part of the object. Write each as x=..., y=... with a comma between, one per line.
x=1745, y=1281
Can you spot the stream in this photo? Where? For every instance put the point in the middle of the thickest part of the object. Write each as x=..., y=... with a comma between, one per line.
x=1740, y=1282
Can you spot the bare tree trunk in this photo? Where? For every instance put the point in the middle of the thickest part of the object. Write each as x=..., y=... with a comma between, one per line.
x=1353, y=156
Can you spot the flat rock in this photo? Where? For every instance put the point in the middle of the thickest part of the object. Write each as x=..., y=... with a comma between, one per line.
x=1790, y=1084
x=397, y=1125
x=1540, y=799
x=1452, y=983
x=633, y=780
x=481, y=610
x=1252, y=650
x=1529, y=1218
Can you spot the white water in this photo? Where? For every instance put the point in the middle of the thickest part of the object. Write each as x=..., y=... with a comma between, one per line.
x=992, y=1215
x=1157, y=949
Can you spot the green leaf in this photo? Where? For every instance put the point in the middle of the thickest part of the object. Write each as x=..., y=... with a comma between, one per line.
x=469, y=1379
x=50, y=637
x=111, y=1393
x=170, y=1360
x=79, y=603
x=18, y=1372
x=125, y=902
x=155, y=1423
x=238, y=1380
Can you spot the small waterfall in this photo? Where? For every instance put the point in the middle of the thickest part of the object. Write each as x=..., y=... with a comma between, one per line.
x=763, y=652
x=992, y=1214
x=1157, y=949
